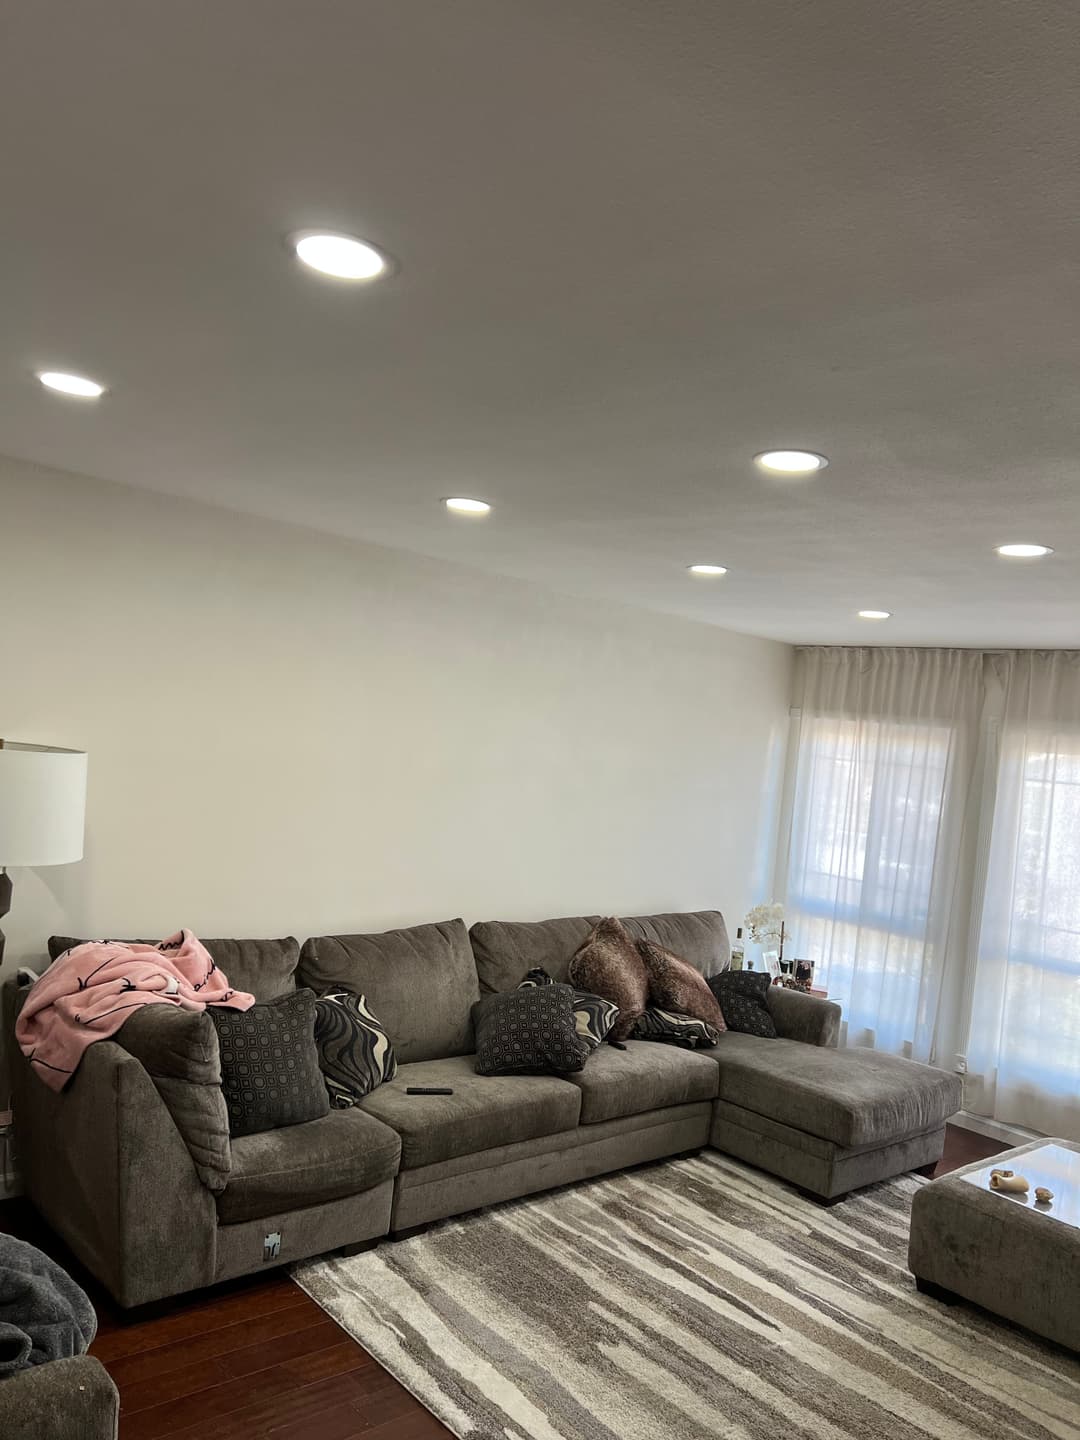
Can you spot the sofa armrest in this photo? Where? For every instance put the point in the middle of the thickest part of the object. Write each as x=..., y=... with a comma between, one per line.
x=71, y=1399
x=809, y=1018
x=106, y=1166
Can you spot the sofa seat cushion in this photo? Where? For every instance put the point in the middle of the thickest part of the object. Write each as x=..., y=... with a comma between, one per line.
x=343, y=1153
x=483, y=1112
x=642, y=1077
x=853, y=1098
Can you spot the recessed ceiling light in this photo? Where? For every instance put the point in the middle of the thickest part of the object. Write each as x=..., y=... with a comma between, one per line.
x=462, y=506
x=1023, y=552
x=71, y=384
x=707, y=569
x=339, y=255
x=875, y=614
x=790, y=462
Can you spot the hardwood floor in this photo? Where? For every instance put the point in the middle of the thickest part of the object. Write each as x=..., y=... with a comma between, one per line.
x=258, y=1360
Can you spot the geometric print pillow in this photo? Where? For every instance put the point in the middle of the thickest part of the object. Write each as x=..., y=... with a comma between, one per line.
x=743, y=997
x=269, y=1064
x=530, y=1031
x=355, y=1053
x=595, y=1017
x=675, y=1029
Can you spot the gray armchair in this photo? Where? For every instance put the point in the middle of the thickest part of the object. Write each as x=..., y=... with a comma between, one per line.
x=63, y=1400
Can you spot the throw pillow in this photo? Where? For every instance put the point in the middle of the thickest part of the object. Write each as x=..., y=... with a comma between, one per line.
x=529, y=1032
x=594, y=1015
x=355, y=1053
x=742, y=995
x=675, y=1029
x=607, y=963
x=676, y=986
x=270, y=1072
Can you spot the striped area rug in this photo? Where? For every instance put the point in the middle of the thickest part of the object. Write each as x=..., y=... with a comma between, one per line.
x=693, y=1299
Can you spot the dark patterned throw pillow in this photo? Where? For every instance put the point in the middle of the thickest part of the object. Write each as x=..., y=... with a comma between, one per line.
x=355, y=1052
x=675, y=1029
x=532, y=1031
x=269, y=1064
x=595, y=1016
x=743, y=996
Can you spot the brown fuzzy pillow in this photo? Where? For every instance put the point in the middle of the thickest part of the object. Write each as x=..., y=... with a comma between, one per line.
x=607, y=963
x=675, y=985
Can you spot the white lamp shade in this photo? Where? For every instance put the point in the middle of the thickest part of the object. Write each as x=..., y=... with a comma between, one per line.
x=42, y=805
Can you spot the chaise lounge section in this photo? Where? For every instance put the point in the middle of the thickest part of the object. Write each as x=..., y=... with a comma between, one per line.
x=134, y=1167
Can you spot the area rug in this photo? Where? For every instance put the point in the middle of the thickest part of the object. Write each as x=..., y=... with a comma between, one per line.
x=693, y=1299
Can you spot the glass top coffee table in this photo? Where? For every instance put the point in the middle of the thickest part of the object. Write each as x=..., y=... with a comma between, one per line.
x=1046, y=1166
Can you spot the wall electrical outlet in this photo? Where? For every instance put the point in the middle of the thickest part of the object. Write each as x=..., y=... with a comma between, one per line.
x=961, y=1064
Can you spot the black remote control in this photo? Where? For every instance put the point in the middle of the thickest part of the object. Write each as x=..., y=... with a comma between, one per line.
x=428, y=1090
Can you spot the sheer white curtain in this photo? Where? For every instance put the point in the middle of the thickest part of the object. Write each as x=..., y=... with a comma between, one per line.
x=885, y=747
x=1023, y=1047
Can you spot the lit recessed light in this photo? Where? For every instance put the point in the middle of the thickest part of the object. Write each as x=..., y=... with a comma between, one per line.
x=875, y=614
x=707, y=569
x=1023, y=552
x=462, y=506
x=71, y=384
x=790, y=462
x=339, y=255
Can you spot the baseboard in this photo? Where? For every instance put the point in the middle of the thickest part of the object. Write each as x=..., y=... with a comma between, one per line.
x=994, y=1129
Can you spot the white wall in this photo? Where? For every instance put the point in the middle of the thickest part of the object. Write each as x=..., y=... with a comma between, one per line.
x=294, y=734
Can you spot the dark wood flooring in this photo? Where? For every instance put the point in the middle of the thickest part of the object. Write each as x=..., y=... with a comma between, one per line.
x=258, y=1360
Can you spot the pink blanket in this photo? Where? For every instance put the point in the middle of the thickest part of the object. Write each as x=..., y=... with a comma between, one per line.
x=88, y=992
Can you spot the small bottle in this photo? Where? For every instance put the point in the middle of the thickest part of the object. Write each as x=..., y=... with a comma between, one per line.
x=738, y=951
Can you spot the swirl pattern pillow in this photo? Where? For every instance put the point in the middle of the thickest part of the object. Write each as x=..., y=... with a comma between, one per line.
x=675, y=1029
x=355, y=1052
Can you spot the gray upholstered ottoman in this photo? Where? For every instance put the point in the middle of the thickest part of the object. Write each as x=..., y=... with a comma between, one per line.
x=1006, y=1253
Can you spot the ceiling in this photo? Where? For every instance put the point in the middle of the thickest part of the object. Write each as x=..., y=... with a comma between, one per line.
x=638, y=242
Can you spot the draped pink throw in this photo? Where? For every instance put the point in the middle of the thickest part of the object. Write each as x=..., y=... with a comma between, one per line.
x=89, y=991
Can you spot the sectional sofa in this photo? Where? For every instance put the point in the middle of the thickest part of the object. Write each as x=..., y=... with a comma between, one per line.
x=133, y=1165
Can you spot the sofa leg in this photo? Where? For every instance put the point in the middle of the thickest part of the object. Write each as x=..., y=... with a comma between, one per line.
x=397, y=1235
x=824, y=1202
x=935, y=1292
x=348, y=1251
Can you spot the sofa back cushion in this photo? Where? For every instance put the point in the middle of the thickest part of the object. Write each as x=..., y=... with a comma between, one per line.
x=421, y=982
x=264, y=968
x=698, y=936
x=506, y=950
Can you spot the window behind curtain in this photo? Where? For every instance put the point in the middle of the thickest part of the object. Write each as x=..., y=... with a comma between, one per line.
x=868, y=811
x=1024, y=1043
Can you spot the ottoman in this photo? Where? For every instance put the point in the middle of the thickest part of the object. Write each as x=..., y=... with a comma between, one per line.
x=829, y=1120
x=1012, y=1256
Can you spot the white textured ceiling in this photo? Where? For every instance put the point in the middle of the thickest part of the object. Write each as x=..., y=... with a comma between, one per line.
x=638, y=241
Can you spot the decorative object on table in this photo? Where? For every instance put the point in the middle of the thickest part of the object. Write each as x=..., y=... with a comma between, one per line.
x=1043, y=1196
x=804, y=974
x=765, y=927
x=42, y=810
x=738, y=951
x=1009, y=1184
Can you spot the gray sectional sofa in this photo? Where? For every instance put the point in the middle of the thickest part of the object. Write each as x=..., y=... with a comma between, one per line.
x=133, y=1166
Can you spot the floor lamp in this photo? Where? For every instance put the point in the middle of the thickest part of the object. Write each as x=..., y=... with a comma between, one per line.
x=42, y=810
